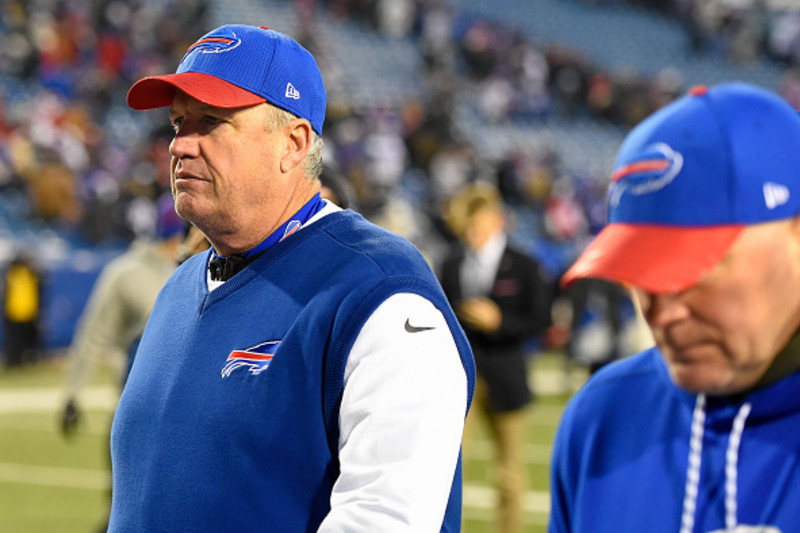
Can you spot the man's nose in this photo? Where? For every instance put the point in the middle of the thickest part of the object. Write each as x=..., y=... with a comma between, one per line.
x=184, y=144
x=661, y=310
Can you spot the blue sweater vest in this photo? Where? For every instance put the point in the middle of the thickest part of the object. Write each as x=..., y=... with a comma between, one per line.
x=229, y=419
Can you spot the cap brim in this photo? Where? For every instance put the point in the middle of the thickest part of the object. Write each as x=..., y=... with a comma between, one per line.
x=658, y=259
x=158, y=91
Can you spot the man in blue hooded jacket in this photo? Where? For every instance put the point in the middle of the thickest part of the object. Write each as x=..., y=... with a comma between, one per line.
x=701, y=433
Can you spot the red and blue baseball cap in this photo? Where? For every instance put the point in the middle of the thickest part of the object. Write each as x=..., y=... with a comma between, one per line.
x=688, y=180
x=237, y=66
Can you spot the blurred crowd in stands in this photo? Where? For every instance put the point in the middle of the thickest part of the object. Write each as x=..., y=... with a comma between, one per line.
x=739, y=30
x=506, y=76
x=66, y=142
x=73, y=158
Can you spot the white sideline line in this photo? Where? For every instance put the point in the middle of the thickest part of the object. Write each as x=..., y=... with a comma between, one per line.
x=31, y=400
x=34, y=426
x=490, y=515
x=474, y=496
x=548, y=382
x=483, y=450
x=483, y=497
x=41, y=399
x=54, y=476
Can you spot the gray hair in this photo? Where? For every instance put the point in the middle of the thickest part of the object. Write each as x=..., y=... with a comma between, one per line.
x=278, y=118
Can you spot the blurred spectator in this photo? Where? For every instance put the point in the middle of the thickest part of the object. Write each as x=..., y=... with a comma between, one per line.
x=52, y=188
x=22, y=300
x=789, y=87
x=395, y=18
x=119, y=306
x=120, y=302
x=336, y=188
x=477, y=49
x=783, y=41
x=502, y=300
x=565, y=217
x=599, y=318
x=437, y=45
x=569, y=79
x=451, y=168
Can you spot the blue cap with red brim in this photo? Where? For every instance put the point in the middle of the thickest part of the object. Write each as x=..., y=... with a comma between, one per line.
x=688, y=180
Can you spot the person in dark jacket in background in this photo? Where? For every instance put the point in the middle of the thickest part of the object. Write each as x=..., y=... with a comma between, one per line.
x=502, y=299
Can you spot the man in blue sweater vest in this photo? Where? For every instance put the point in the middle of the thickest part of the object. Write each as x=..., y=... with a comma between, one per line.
x=700, y=433
x=306, y=373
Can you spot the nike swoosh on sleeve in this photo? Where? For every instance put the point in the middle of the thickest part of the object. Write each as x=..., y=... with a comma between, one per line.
x=416, y=329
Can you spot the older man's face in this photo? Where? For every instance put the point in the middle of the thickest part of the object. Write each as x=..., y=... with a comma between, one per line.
x=224, y=167
x=721, y=335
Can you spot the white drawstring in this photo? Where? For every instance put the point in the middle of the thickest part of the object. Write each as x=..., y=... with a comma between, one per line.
x=731, y=466
x=693, y=471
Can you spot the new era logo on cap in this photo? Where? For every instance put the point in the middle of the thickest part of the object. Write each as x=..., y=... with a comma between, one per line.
x=291, y=92
x=775, y=194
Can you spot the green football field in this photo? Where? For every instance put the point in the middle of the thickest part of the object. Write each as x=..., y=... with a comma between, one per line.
x=49, y=484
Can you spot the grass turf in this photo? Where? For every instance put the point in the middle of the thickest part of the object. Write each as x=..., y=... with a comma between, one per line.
x=49, y=483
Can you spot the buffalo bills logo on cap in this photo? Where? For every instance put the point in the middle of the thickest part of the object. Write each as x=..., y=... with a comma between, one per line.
x=651, y=171
x=255, y=359
x=216, y=43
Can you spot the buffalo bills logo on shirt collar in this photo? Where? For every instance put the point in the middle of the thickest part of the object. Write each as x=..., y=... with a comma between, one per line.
x=255, y=359
x=223, y=41
x=651, y=171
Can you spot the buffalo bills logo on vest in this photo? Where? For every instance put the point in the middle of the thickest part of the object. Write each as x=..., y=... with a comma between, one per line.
x=224, y=41
x=255, y=359
x=651, y=171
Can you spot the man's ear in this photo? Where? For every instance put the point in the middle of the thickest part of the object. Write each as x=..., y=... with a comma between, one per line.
x=298, y=142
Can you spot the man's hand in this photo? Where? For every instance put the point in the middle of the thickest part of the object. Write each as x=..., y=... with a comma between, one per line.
x=481, y=314
x=70, y=418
